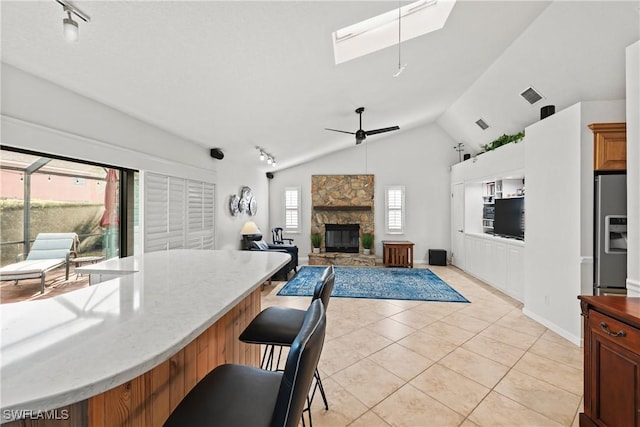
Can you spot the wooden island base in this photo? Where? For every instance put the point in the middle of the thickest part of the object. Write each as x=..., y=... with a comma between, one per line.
x=148, y=399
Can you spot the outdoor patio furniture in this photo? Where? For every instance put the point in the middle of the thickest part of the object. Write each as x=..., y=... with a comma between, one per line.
x=48, y=252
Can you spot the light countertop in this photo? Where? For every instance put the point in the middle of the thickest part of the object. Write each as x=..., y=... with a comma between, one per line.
x=67, y=348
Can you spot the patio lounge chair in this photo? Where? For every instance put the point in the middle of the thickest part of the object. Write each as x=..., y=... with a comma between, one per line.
x=48, y=252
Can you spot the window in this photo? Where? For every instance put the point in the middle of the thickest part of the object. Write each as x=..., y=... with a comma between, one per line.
x=394, y=197
x=376, y=33
x=292, y=209
x=63, y=195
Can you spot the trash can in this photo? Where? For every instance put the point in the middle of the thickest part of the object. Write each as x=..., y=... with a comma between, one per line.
x=437, y=257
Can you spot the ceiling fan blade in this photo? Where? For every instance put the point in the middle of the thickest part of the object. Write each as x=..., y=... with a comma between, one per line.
x=343, y=131
x=375, y=131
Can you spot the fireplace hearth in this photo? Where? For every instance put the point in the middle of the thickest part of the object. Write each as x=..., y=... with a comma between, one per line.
x=342, y=238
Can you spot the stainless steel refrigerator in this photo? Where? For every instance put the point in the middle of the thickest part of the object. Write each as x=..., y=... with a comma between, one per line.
x=610, y=235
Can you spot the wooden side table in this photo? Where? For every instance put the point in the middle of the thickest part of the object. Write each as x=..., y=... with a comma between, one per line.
x=397, y=253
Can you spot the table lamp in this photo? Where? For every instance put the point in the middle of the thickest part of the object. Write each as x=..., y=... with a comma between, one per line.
x=250, y=232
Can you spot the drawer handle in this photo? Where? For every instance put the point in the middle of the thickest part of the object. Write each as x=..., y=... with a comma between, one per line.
x=607, y=331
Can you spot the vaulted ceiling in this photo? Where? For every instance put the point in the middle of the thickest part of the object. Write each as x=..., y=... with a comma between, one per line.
x=239, y=74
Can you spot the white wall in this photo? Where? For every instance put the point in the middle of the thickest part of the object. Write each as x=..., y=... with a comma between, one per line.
x=41, y=116
x=633, y=169
x=419, y=159
x=559, y=213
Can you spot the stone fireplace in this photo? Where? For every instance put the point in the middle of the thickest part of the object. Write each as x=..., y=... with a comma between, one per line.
x=340, y=200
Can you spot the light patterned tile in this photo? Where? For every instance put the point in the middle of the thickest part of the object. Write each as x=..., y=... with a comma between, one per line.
x=391, y=329
x=566, y=377
x=497, y=410
x=517, y=321
x=509, y=336
x=453, y=334
x=369, y=419
x=469, y=323
x=494, y=350
x=542, y=397
x=344, y=408
x=358, y=379
x=410, y=407
x=431, y=347
x=415, y=319
x=476, y=367
x=336, y=356
x=364, y=341
x=422, y=370
x=450, y=388
x=401, y=361
x=571, y=356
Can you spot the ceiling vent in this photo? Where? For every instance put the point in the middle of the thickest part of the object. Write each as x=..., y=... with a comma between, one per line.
x=531, y=95
x=483, y=125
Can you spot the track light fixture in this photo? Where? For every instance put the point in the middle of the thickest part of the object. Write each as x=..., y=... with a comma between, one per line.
x=69, y=26
x=271, y=160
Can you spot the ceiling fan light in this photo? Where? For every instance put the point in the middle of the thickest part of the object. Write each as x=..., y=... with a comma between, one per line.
x=269, y=160
x=261, y=156
x=70, y=30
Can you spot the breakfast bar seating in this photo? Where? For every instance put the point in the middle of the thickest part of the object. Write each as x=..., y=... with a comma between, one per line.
x=128, y=349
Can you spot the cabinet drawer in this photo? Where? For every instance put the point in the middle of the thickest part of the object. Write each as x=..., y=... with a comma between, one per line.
x=619, y=332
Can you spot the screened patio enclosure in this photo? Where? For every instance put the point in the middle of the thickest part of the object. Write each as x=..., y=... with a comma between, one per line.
x=39, y=194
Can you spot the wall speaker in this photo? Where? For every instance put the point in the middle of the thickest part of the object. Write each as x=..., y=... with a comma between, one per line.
x=466, y=156
x=270, y=175
x=547, y=111
x=217, y=153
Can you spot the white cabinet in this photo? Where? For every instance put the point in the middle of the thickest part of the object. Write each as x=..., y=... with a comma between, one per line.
x=498, y=262
x=515, y=272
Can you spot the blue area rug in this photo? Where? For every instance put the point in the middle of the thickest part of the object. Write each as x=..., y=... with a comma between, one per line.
x=376, y=282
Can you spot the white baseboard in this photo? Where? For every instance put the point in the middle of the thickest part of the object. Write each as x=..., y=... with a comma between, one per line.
x=577, y=340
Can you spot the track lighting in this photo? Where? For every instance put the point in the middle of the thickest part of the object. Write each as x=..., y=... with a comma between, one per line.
x=266, y=156
x=70, y=28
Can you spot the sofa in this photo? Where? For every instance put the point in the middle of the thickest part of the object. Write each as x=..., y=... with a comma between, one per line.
x=283, y=273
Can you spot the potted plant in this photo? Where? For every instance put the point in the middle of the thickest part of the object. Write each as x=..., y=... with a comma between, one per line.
x=316, y=241
x=367, y=241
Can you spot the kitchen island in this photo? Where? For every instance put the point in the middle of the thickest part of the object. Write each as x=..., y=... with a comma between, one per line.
x=126, y=351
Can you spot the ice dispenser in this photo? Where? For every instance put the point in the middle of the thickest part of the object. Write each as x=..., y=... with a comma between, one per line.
x=615, y=234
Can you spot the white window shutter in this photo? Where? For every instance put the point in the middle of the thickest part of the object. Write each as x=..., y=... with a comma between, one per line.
x=292, y=209
x=178, y=213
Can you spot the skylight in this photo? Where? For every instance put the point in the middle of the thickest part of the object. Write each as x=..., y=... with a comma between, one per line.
x=418, y=18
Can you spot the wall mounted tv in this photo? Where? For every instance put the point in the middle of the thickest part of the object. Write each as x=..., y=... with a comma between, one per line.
x=509, y=217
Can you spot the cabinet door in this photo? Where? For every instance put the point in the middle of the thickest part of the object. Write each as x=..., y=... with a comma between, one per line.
x=457, y=226
x=515, y=272
x=610, y=146
x=498, y=266
x=614, y=373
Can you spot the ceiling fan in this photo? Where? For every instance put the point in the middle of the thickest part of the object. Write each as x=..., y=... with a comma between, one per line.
x=360, y=134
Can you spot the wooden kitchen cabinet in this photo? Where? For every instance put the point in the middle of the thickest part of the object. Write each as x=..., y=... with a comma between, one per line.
x=609, y=146
x=611, y=361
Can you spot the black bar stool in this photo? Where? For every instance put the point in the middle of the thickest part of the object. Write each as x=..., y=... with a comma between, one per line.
x=240, y=395
x=278, y=327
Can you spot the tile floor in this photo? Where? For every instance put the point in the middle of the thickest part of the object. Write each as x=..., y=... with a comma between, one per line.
x=409, y=363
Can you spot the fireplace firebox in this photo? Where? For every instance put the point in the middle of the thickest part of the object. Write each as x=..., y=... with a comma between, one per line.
x=342, y=238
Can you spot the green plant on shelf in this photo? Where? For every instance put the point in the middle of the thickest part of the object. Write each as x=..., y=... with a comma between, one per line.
x=503, y=140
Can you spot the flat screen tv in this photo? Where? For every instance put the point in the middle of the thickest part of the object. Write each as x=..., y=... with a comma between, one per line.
x=509, y=217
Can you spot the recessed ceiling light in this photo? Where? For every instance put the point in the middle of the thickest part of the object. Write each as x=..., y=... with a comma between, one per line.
x=381, y=31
